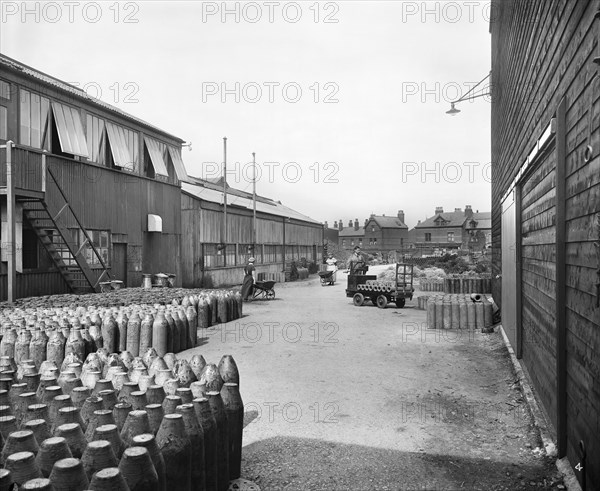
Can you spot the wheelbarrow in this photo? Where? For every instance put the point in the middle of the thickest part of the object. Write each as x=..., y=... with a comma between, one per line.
x=326, y=277
x=263, y=290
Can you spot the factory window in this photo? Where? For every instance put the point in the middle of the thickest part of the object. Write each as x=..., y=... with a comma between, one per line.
x=370, y=240
x=96, y=139
x=270, y=255
x=359, y=242
x=375, y=241
x=34, y=111
x=101, y=243
x=72, y=239
x=450, y=236
x=124, y=147
x=4, y=90
x=3, y=123
x=427, y=237
x=71, y=137
x=343, y=243
x=177, y=161
x=372, y=229
x=352, y=242
x=155, y=158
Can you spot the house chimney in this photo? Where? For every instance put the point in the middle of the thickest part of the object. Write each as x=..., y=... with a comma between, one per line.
x=468, y=211
x=350, y=224
x=401, y=215
x=439, y=209
x=356, y=226
x=366, y=221
x=418, y=222
x=335, y=224
x=341, y=225
x=326, y=225
x=457, y=209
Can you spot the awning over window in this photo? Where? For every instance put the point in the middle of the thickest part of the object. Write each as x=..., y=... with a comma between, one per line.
x=178, y=163
x=118, y=146
x=156, y=156
x=70, y=130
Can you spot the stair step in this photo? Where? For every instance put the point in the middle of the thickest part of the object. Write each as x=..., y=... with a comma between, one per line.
x=74, y=268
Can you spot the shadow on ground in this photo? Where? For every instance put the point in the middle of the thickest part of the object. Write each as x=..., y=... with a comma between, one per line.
x=285, y=463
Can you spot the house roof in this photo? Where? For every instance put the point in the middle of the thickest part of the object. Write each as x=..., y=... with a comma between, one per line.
x=211, y=192
x=7, y=62
x=451, y=219
x=388, y=222
x=483, y=219
x=350, y=232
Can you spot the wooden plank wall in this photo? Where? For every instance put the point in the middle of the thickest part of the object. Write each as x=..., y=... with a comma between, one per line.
x=34, y=284
x=538, y=272
x=542, y=51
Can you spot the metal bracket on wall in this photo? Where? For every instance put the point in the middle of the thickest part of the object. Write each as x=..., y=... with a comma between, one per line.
x=588, y=153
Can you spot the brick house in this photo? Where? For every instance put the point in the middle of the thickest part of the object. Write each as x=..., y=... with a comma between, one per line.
x=452, y=231
x=384, y=234
x=351, y=236
x=380, y=234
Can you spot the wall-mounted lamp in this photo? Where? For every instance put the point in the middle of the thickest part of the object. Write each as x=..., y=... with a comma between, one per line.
x=453, y=111
x=189, y=145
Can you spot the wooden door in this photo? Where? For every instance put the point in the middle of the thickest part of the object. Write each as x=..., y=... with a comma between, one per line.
x=509, y=270
x=119, y=264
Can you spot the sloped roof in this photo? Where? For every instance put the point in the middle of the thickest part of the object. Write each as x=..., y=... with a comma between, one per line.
x=350, y=232
x=6, y=61
x=217, y=185
x=388, y=222
x=483, y=219
x=457, y=219
x=452, y=219
x=208, y=191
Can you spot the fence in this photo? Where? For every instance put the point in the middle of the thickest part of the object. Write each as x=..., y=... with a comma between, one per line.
x=457, y=285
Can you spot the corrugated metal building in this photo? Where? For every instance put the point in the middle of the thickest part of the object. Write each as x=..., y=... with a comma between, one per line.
x=86, y=177
x=95, y=195
x=282, y=235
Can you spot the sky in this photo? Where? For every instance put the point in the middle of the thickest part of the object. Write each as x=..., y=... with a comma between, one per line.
x=344, y=103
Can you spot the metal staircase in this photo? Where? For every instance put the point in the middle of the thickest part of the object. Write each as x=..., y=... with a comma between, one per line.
x=66, y=241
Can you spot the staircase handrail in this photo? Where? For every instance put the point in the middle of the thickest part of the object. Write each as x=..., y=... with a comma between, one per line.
x=81, y=227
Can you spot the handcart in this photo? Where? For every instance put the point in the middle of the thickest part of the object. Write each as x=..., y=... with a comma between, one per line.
x=326, y=277
x=264, y=290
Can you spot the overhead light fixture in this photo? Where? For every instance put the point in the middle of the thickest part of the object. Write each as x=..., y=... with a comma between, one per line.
x=453, y=111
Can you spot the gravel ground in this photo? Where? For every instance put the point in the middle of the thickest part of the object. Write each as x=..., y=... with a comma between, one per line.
x=339, y=397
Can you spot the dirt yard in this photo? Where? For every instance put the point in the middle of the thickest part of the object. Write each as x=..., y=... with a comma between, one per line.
x=340, y=397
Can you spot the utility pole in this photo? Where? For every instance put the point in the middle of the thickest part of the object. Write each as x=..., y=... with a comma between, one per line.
x=224, y=228
x=254, y=200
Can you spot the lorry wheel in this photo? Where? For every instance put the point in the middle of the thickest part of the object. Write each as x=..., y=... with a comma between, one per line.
x=382, y=301
x=358, y=299
x=400, y=303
